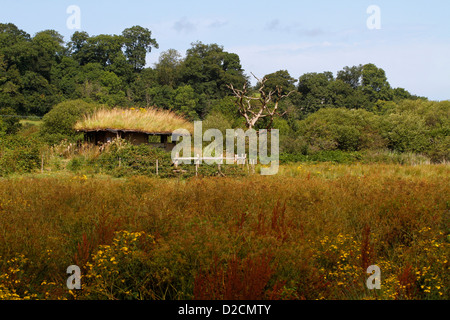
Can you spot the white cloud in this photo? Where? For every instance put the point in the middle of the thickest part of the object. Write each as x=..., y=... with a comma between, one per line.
x=185, y=25
x=295, y=29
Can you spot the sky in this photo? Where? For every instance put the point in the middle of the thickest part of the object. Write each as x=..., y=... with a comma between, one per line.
x=411, y=41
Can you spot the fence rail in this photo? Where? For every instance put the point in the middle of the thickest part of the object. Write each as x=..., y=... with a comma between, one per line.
x=237, y=159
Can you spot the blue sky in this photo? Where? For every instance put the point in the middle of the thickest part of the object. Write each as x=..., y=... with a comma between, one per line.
x=412, y=46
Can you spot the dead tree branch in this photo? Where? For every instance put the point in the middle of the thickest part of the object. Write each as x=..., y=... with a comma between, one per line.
x=255, y=108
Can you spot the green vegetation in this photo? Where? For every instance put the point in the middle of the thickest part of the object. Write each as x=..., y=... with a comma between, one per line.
x=355, y=110
x=308, y=233
x=59, y=123
x=363, y=178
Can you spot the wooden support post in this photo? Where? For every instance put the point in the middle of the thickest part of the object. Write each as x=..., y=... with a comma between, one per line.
x=157, y=167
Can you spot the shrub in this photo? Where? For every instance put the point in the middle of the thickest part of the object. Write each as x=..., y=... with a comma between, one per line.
x=125, y=270
x=341, y=129
x=405, y=132
x=18, y=154
x=335, y=156
x=59, y=123
x=216, y=120
x=9, y=122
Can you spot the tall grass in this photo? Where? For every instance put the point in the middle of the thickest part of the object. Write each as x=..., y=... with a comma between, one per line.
x=143, y=120
x=307, y=233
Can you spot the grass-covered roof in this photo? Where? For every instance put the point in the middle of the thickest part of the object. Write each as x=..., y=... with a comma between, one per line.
x=152, y=121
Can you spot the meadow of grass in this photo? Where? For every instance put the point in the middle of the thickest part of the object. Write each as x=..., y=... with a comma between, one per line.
x=31, y=122
x=309, y=232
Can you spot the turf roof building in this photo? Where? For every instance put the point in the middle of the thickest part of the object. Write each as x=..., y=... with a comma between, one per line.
x=136, y=126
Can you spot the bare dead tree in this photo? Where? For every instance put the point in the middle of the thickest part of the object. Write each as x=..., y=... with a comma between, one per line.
x=256, y=108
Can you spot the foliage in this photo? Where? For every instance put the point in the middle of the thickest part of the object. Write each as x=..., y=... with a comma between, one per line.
x=18, y=154
x=405, y=132
x=138, y=41
x=341, y=129
x=9, y=121
x=59, y=123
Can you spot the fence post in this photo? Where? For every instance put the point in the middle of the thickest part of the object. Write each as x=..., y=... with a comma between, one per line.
x=157, y=167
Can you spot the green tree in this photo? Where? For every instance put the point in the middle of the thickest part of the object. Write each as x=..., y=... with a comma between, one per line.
x=374, y=83
x=168, y=68
x=186, y=102
x=351, y=75
x=102, y=49
x=208, y=69
x=138, y=41
x=50, y=49
x=315, y=91
x=280, y=79
x=78, y=45
x=161, y=97
x=11, y=34
x=140, y=90
x=64, y=77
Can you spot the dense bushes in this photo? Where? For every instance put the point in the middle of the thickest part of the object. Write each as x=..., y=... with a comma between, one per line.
x=59, y=122
x=122, y=159
x=9, y=122
x=18, y=154
x=411, y=126
x=406, y=132
x=341, y=129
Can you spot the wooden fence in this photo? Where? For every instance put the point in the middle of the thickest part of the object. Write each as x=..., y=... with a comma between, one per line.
x=237, y=159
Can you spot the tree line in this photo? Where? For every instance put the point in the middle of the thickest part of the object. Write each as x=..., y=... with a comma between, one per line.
x=352, y=110
x=37, y=72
